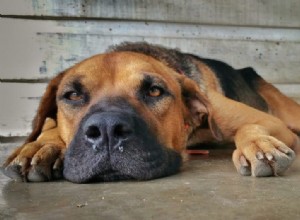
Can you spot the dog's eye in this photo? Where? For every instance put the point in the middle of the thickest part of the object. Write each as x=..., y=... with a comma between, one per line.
x=155, y=91
x=74, y=96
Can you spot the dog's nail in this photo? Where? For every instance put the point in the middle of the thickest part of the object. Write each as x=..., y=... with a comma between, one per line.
x=269, y=156
x=259, y=155
x=283, y=150
x=57, y=165
x=243, y=161
x=23, y=161
x=35, y=161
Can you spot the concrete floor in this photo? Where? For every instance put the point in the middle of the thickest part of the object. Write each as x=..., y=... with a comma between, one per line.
x=207, y=188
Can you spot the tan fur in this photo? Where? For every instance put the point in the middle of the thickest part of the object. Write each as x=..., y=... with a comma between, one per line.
x=281, y=106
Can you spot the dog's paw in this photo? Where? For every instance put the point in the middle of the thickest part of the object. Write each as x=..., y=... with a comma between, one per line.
x=40, y=160
x=35, y=162
x=263, y=156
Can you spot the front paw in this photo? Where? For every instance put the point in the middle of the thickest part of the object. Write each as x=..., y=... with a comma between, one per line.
x=35, y=162
x=263, y=156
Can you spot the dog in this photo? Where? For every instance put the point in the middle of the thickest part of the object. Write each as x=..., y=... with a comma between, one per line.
x=130, y=113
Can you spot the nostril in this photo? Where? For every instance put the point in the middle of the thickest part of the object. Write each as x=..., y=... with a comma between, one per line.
x=93, y=133
x=121, y=131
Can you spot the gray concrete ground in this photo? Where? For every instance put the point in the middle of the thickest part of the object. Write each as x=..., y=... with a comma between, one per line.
x=206, y=188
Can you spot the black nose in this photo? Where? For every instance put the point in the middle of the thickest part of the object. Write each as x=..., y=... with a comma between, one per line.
x=107, y=129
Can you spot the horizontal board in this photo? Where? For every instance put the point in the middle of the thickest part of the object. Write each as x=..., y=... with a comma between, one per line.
x=19, y=102
x=272, y=13
x=34, y=49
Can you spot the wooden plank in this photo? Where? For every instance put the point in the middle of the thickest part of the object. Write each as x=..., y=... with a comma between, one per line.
x=34, y=49
x=19, y=102
x=272, y=13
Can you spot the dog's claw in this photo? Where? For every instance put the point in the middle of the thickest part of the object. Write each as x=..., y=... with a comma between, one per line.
x=36, y=175
x=259, y=155
x=241, y=163
x=13, y=171
x=43, y=166
x=270, y=159
x=269, y=156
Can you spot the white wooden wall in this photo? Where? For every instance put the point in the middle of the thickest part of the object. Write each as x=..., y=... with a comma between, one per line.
x=40, y=38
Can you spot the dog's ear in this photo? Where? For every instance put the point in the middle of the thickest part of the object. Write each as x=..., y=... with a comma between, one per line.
x=198, y=108
x=47, y=108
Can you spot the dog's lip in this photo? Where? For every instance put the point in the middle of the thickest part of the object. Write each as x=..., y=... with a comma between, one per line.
x=112, y=175
x=117, y=170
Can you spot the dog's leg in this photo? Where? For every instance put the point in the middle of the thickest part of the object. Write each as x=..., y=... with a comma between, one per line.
x=281, y=106
x=40, y=160
x=263, y=142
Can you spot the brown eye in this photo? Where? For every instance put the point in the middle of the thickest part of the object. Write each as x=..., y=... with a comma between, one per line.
x=74, y=96
x=155, y=91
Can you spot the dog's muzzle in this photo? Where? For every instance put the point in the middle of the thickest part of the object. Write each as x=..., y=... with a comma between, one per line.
x=115, y=143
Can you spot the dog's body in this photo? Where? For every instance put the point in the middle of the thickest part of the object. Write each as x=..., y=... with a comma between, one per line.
x=130, y=113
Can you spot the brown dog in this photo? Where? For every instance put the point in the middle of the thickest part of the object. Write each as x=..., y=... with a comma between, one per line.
x=130, y=113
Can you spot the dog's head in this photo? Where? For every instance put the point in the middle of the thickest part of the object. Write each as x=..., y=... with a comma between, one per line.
x=123, y=115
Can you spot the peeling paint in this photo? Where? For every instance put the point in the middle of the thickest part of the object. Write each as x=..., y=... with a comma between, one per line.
x=49, y=47
x=43, y=68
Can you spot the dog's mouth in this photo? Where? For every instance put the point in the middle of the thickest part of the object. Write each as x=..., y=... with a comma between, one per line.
x=111, y=175
x=118, y=145
x=145, y=168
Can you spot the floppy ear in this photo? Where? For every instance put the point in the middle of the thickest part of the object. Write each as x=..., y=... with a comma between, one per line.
x=47, y=108
x=199, y=110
